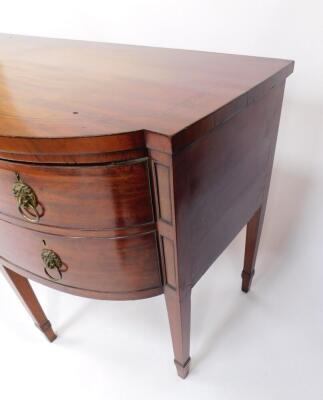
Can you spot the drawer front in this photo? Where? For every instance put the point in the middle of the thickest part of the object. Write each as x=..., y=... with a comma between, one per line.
x=113, y=265
x=84, y=197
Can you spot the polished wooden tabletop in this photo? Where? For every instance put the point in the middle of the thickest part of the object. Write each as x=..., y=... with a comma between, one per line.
x=69, y=88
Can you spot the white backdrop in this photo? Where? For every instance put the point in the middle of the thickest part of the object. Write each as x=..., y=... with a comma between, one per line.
x=267, y=345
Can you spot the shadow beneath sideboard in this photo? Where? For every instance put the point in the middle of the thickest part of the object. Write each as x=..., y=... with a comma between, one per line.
x=75, y=317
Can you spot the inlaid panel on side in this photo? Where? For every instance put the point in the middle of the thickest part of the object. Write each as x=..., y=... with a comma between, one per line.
x=164, y=193
x=169, y=259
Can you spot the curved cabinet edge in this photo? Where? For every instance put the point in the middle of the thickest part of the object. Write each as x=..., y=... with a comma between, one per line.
x=74, y=150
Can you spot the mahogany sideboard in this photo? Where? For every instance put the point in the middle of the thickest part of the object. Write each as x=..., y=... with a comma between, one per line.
x=126, y=170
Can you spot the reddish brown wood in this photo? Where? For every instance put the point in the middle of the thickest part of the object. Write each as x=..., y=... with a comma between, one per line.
x=177, y=292
x=131, y=89
x=216, y=185
x=179, y=314
x=27, y=296
x=147, y=162
x=78, y=150
x=164, y=195
x=227, y=182
x=105, y=265
x=169, y=260
x=254, y=228
x=101, y=197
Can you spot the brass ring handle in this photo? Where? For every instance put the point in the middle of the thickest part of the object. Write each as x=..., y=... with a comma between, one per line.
x=30, y=213
x=52, y=261
x=52, y=277
x=27, y=200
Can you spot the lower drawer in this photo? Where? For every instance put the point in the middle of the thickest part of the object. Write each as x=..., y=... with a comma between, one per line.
x=109, y=265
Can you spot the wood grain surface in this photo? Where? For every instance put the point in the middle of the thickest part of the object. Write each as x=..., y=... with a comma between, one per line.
x=52, y=88
x=108, y=265
x=104, y=197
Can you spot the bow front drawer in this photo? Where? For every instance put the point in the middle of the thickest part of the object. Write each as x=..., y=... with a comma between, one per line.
x=95, y=265
x=97, y=197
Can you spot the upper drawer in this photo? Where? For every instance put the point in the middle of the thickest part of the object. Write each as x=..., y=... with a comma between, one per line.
x=83, y=197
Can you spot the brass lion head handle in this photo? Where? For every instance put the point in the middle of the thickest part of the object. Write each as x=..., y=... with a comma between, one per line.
x=26, y=199
x=52, y=262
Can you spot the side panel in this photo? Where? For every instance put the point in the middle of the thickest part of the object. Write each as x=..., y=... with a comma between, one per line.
x=220, y=181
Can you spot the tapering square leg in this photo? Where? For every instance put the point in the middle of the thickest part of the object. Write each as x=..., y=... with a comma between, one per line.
x=179, y=315
x=254, y=228
x=27, y=296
